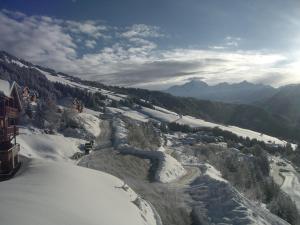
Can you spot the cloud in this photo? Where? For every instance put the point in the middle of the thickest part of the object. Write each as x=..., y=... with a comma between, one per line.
x=142, y=30
x=91, y=28
x=90, y=43
x=132, y=57
x=39, y=39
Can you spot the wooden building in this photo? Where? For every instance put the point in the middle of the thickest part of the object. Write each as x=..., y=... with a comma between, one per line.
x=10, y=107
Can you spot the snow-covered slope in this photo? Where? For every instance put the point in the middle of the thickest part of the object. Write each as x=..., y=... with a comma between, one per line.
x=52, y=193
x=35, y=144
x=168, y=116
x=90, y=123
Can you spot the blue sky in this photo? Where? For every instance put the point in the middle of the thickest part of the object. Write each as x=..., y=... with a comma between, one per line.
x=157, y=43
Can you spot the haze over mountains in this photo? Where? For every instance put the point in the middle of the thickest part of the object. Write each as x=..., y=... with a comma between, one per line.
x=244, y=92
x=283, y=101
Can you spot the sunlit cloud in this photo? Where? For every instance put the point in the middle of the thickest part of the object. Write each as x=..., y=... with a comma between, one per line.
x=133, y=56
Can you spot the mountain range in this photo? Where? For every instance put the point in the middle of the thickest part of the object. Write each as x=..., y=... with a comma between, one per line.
x=283, y=101
x=243, y=92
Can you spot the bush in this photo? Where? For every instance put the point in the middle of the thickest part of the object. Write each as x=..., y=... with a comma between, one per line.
x=143, y=135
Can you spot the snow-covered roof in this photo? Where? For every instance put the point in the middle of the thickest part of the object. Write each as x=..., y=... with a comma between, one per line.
x=5, y=87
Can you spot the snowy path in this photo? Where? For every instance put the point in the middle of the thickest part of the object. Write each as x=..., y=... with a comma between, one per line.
x=104, y=140
x=291, y=186
x=192, y=173
x=287, y=177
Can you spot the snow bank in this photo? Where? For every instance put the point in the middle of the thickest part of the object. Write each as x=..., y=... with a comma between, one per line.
x=54, y=193
x=35, y=144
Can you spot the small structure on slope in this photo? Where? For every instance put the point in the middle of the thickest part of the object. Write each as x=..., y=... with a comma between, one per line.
x=10, y=107
x=77, y=105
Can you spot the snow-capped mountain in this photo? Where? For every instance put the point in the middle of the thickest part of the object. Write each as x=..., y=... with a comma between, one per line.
x=244, y=92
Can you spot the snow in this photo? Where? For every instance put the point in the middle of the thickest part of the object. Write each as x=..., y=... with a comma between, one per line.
x=65, y=80
x=13, y=61
x=169, y=169
x=54, y=193
x=135, y=115
x=163, y=116
x=35, y=144
x=112, y=95
x=120, y=133
x=127, y=112
x=5, y=87
x=90, y=123
x=18, y=63
x=92, y=112
x=214, y=173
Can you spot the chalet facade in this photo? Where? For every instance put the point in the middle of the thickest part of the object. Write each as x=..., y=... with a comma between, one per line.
x=10, y=107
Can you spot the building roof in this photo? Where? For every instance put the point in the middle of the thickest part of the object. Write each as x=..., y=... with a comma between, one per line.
x=5, y=88
x=10, y=90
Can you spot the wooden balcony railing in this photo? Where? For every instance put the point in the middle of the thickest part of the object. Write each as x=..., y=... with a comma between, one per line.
x=8, y=111
x=13, y=150
x=8, y=133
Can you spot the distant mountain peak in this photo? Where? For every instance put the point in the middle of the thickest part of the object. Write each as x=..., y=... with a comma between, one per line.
x=242, y=92
x=196, y=82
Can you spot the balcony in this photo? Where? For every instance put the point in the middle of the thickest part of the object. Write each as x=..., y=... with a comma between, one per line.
x=12, y=151
x=8, y=111
x=8, y=133
x=9, y=161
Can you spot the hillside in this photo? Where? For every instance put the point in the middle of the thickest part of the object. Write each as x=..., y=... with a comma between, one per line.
x=286, y=102
x=51, y=84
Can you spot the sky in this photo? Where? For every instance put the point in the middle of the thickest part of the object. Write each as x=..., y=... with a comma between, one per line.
x=157, y=43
